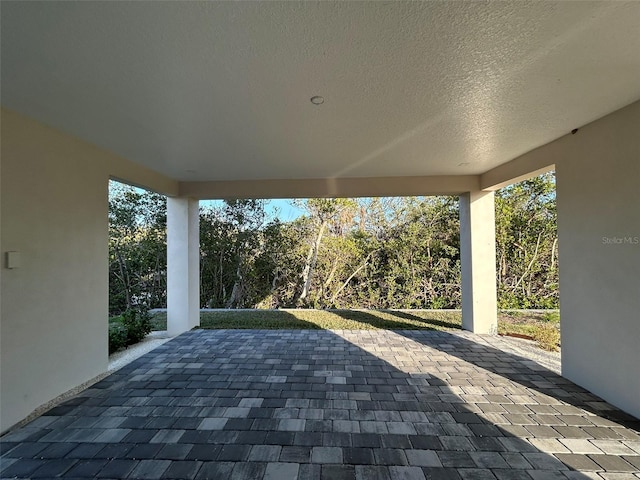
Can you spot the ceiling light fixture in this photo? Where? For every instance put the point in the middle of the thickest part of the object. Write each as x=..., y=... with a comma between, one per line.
x=317, y=100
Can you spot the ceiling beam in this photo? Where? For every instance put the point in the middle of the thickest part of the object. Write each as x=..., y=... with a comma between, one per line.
x=531, y=164
x=332, y=187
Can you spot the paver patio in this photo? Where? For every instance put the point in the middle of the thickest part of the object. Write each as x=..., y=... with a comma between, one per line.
x=264, y=404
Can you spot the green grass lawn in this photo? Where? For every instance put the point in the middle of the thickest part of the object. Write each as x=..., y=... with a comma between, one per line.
x=543, y=327
x=324, y=319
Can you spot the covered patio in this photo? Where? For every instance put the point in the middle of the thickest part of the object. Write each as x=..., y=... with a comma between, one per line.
x=329, y=405
x=217, y=100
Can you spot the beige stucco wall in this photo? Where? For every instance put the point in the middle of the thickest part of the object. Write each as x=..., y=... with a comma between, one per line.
x=54, y=204
x=598, y=194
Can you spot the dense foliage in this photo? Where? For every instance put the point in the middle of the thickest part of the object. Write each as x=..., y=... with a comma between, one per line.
x=342, y=253
x=137, y=248
x=527, y=244
x=129, y=328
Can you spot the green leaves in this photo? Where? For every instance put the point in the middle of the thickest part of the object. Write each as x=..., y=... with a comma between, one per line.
x=343, y=253
x=129, y=328
x=137, y=248
x=527, y=242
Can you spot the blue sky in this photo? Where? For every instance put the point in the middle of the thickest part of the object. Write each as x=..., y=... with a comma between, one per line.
x=282, y=208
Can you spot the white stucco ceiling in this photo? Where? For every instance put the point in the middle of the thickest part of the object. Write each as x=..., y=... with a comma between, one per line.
x=220, y=91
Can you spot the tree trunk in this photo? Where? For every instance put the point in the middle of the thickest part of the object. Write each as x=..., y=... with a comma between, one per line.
x=327, y=282
x=125, y=277
x=310, y=265
x=236, y=293
x=553, y=254
x=222, y=290
x=355, y=272
x=533, y=260
x=275, y=301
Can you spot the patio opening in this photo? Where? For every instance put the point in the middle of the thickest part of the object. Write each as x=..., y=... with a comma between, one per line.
x=396, y=257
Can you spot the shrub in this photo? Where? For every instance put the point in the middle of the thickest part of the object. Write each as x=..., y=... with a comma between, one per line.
x=129, y=328
x=547, y=336
x=117, y=336
x=551, y=317
x=137, y=322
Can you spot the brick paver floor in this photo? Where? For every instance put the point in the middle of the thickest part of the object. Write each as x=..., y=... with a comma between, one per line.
x=328, y=405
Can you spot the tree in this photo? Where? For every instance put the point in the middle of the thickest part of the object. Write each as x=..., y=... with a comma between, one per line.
x=283, y=258
x=324, y=213
x=137, y=248
x=526, y=244
x=342, y=253
x=236, y=264
x=420, y=263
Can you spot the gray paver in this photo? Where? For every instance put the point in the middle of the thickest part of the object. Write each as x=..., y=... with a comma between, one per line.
x=215, y=470
x=488, y=460
x=613, y=447
x=248, y=471
x=578, y=461
x=112, y=435
x=633, y=460
x=476, y=474
x=151, y=469
x=213, y=423
x=295, y=454
x=579, y=445
x=265, y=453
x=511, y=475
x=543, y=461
x=546, y=475
x=613, y=463
x=406, y=473
x=291, y=425
x=389, y=456
x=182, y=469
x=281, y=471
x=516, y=460
x=423, y=458
x=550, y=445
x=326, y=455
x=338, y=472
x=372, y=472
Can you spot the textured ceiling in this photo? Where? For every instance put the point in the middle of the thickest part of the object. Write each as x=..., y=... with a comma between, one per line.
x=220, y=91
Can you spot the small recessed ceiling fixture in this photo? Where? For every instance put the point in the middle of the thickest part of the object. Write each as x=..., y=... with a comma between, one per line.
x=317, y=100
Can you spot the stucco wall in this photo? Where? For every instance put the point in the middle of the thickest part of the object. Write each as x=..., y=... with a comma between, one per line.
x=598, y=193
x=54, y=204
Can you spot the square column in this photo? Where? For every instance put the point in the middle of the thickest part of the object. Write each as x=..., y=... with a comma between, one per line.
x=478, y=261
x=183, y=265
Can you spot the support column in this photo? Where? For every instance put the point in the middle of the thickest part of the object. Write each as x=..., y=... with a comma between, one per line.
x=183, y=265
x=478, y=260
